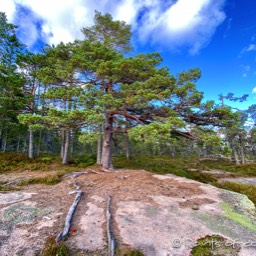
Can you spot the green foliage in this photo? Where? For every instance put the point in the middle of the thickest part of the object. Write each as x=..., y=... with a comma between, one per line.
x=18, y=161
x=51, y=248
x=12, y=81
x=115, y=34
x=84, y=160
x=11, y=161
x=88, y=137
x=156, y=132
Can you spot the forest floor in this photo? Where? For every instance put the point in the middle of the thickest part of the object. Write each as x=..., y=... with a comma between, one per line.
x=151, y=212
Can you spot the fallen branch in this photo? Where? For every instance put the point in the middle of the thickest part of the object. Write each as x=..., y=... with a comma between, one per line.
x=111, y=239
x=70, y=214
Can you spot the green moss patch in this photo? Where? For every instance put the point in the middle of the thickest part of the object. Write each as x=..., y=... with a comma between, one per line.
x=51, y=248
x=215, y=246
x=244, y=221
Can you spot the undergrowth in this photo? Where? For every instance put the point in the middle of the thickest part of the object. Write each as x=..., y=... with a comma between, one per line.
x=49, y=180
x=165, y=165
x=246, y=170
x=181, y=166
x=245, y=189
x=20, y=162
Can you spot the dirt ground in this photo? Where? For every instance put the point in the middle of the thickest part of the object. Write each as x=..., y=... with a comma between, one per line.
x=149, y=213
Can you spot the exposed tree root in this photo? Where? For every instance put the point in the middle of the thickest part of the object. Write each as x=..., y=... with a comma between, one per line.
x=70, y=214
x=111, y=238
x=94, y=171
x=14, y=182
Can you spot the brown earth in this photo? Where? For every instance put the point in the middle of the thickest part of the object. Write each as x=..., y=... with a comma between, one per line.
x=150, y=212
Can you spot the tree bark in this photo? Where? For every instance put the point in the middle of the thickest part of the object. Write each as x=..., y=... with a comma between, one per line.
x=39, y=143
x=66, y=147
x=107, y=144
x=99, y=149
x=18, y=145
x=5, y=142
x=62, y=143
x=127, y=146
x=242, y=149
x=30, y=145
x=234, y=151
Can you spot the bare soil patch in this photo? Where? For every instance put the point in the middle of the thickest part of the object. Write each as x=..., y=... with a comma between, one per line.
x=150, y=212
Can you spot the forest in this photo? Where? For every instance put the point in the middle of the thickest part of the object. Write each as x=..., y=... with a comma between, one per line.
x=94, y=97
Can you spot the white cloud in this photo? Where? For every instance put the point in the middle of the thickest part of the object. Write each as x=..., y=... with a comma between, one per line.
x=246, y=69
x=184, y=23
x=251, y=47
x=9, y=8
x=171, y=23
x=254, y=90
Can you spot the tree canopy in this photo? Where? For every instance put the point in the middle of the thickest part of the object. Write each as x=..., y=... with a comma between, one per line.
x=70, y=90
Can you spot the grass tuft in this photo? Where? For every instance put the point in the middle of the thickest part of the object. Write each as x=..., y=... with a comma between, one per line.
x=51, y=248
x=49, y=180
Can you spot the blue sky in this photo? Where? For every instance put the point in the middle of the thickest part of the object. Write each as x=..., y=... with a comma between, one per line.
x=217, y=36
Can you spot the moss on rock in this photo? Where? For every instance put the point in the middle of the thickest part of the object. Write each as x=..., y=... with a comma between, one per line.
x=215, y=246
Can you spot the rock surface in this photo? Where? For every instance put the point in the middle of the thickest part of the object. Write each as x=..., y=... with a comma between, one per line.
x=160, y=215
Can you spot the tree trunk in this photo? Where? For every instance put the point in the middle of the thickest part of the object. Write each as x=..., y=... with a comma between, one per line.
x=235, y=156
x=127, y=146
x=24, y=145
x=5, y=142
x=234, y=152
x=62, y=143
x=66, y=147
x=99, y=149
x=242, y=149
x=39, y=143
x=106, y=160
x=72, y=143
x=18, y=145
x=30, y=145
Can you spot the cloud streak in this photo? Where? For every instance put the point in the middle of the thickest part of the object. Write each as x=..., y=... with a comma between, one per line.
x=173, y=24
